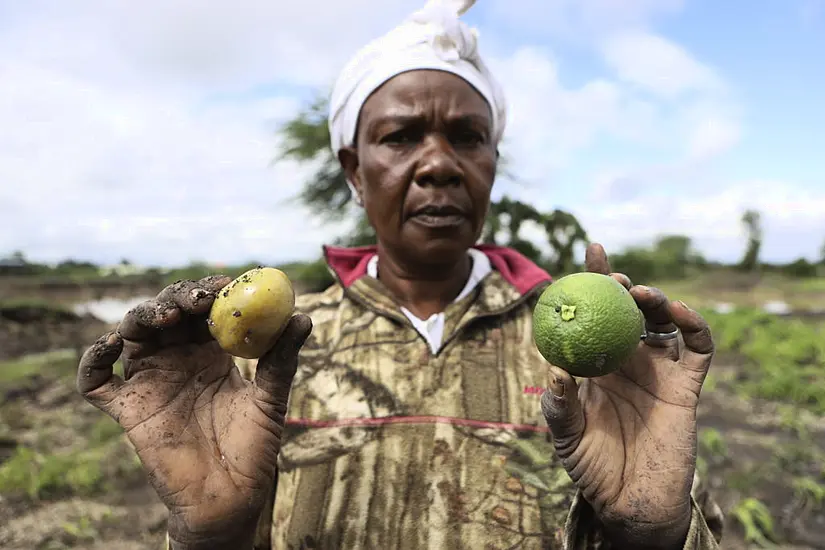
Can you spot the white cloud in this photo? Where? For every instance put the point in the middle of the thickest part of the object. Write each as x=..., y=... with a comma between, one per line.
x=189, y=44
x=658, y=66
x=548, y=123
x=552, y=127
x=86, y=169
x=578, y=21
x=142, y=129
x=120, y=146
x=712, y=135
x=791, y=215
x=678, y=116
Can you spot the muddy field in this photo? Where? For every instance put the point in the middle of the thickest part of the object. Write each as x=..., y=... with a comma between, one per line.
x=68, y=479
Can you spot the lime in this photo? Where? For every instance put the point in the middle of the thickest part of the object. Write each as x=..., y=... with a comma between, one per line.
x=587, y=323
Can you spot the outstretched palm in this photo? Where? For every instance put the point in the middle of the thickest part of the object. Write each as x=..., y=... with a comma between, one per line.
x=628, y=439
x=208, y=438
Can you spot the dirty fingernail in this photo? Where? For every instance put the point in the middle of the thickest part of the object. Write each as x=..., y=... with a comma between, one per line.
x=198, y=294
x=557, y=386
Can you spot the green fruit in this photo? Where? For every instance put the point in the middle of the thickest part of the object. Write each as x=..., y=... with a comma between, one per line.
x=251, y=312
x=587, y=323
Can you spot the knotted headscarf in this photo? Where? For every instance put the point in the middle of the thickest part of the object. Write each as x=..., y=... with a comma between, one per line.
x=431, y=38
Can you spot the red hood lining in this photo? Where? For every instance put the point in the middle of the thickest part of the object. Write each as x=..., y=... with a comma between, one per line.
x=350, y=264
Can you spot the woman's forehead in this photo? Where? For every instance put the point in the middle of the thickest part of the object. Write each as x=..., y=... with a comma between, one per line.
x=426, y=92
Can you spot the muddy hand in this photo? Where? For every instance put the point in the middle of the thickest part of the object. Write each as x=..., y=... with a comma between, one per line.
x=207, y=438
x=628, y=439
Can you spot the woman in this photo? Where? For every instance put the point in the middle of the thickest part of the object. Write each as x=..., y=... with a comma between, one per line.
x=417, y=413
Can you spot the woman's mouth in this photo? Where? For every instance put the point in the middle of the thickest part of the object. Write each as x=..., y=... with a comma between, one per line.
x=439, y=216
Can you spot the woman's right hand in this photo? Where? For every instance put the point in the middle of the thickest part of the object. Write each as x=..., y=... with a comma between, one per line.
x=208, y=438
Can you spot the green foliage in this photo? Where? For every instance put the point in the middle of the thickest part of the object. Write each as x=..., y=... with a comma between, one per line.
x=638, y=263
x=755, y=518
x=39, y=474
x=808, y=489
x=712, y=442
x=752, y=220
x=362, y=235
x=671, y=257
x=564, y=232
x=800, y=268
x=784, y=358
x=315, y=276
x=307, y=140
x=14, y=371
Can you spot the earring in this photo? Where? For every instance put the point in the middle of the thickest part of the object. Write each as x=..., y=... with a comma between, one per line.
x=356, y=196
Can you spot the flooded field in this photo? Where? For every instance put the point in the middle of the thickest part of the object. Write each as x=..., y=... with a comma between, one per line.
x=68, y=478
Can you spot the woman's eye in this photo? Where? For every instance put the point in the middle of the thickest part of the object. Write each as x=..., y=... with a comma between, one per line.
x=400, y=138
x=469, y=138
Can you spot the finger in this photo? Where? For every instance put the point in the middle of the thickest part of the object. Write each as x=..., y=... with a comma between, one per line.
x=563, y=412
x=96, y=380
x=145, y=319
x=214, y=283
x=194, y=297
x=623, y=280
x=595, y=259
x=189, y=296
x=194, y=331
x=276, y=369
x=695, y=332
x=655, y=307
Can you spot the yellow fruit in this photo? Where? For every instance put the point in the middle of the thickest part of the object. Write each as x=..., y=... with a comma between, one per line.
x=250, y=313
x=587, y=323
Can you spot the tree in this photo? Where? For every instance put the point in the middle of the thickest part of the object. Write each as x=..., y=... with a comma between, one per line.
x=752, y=220
x=326, y=193
x=562, y=229
x=822, y=255
x=564, y=232
x=507, y=214
x=306, y=139
x=674, y=255
x=18, y=256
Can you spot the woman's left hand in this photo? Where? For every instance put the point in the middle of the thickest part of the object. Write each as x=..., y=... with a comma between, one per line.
x=628, y=439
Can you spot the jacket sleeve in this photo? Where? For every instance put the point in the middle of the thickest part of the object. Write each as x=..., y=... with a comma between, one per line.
x=583, y=531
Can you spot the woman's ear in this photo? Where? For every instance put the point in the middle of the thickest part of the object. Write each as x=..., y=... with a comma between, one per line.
x=348, y=157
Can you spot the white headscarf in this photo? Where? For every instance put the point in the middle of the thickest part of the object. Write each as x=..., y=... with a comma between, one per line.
x=431, y=38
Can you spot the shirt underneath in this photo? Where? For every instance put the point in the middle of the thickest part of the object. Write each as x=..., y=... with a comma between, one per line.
x=432, y=329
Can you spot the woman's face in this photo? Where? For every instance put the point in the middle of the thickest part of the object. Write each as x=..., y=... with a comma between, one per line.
x=424, y=165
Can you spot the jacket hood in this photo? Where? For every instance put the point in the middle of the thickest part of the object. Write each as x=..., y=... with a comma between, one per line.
x=350, y=264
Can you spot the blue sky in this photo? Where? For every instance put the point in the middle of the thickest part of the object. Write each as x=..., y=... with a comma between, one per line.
x=774, y=54
x=146, y=130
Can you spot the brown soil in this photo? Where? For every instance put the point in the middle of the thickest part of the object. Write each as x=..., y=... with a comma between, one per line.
x=121, y=514
x=31, y=328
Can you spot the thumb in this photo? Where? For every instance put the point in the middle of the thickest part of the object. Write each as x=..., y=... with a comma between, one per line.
x=276, y=369
x=563, y=412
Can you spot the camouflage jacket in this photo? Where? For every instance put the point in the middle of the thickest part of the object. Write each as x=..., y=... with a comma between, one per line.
x=389, y=446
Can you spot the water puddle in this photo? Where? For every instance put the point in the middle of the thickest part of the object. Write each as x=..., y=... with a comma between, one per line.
x=108, y=310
